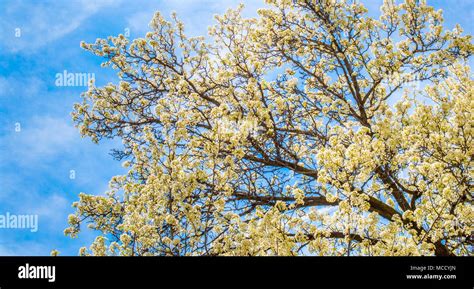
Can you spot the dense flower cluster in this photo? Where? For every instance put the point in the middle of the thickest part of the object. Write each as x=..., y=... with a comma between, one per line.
x=293, y=133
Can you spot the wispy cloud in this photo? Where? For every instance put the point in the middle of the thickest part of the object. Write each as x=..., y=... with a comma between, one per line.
x=40, y=138
x=11, y=86
x=44, y=21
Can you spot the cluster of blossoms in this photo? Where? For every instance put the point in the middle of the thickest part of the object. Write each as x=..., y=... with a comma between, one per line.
x=286, y=134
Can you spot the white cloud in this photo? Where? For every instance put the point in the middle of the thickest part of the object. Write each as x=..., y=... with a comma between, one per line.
x=138, y=22
x=6, y=251
x=45, y=21
x=24, y=248
x=51, y=207
x=20, y=87
x=39, y=139
x=47, y=136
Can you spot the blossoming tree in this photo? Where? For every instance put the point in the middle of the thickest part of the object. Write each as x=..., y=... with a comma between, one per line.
x=293, y=133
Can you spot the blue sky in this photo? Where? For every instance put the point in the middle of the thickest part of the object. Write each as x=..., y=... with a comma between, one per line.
x=36, y=162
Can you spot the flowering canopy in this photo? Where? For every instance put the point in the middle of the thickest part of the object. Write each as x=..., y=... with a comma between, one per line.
x=293, y=133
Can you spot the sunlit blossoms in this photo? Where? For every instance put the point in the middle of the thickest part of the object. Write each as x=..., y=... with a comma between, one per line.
x=293, y=133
